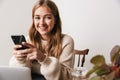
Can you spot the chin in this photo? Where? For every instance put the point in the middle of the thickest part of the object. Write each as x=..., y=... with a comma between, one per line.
x=44, y=33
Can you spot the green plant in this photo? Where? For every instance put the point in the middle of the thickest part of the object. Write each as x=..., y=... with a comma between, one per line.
x=103, y=70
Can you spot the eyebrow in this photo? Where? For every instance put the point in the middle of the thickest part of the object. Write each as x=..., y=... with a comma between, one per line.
x=44, y=15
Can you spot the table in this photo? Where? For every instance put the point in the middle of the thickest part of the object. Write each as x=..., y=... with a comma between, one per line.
x=79, y=78
x=78, y=73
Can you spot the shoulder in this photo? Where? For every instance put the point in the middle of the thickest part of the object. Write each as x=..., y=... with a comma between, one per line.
x=66, y=39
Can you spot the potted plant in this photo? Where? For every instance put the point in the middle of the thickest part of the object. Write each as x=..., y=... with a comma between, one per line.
x=104, y=71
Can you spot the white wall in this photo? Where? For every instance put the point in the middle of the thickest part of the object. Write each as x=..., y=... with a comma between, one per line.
x=15, y=18
x=93, y=24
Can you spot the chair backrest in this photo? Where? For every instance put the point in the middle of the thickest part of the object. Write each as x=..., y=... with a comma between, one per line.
x=81, y=56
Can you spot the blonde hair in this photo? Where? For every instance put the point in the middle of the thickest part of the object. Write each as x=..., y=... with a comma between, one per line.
x=54, y=46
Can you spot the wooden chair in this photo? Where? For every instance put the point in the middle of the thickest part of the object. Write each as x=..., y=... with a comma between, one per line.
x=81, y=56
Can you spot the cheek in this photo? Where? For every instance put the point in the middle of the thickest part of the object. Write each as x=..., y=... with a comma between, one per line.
x=35, y=23
x=51, y=25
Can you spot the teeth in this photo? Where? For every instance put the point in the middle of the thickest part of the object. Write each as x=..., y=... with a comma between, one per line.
x=43, y=28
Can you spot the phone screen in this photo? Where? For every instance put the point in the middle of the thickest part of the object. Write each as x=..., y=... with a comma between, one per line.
x=18, y=39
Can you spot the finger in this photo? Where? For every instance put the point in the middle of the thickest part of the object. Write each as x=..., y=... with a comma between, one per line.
x=21, y=54
x=27, y=44
x=15, y=47
x=20, y=57
x=31, y=57
x=15, y=52
x=24, y=51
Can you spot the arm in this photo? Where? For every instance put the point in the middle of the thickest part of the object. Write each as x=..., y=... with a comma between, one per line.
x=14, y=61
x=66, y=59
x=54, y=69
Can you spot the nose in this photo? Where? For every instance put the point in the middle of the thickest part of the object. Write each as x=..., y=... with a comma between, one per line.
x=42, y=21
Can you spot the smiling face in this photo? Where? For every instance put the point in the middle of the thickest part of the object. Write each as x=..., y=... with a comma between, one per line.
x=44, y=21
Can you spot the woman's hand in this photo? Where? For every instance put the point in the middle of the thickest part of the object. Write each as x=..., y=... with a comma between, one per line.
x=32, y=53
x=19, y=54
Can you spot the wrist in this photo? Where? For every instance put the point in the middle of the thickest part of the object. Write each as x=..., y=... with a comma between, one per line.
x=42, y=59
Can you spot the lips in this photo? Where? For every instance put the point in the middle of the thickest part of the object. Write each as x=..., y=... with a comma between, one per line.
x=43, y=28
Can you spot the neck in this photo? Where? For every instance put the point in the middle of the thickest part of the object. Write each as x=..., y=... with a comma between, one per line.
x=45, y=37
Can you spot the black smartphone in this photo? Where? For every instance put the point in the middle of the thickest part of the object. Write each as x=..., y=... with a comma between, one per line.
x=18, y=39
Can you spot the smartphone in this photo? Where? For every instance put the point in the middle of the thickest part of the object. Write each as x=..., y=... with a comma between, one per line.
x=18, y=39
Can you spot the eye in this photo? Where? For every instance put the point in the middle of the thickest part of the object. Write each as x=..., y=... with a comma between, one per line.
x=36, y=17
x=48, y=17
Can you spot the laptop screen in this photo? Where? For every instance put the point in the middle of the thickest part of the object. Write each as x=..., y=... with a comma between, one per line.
x=14, y=73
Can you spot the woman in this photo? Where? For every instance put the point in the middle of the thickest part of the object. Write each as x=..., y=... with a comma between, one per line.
x=50, y=52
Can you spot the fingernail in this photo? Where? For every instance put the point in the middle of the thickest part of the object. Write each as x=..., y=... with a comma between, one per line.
x=20, y=46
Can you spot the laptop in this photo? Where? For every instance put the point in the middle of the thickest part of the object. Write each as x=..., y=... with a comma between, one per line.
x=14, y=73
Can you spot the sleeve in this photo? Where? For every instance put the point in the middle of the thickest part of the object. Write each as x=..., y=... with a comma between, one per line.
x=15, y=63
x=54, y=69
